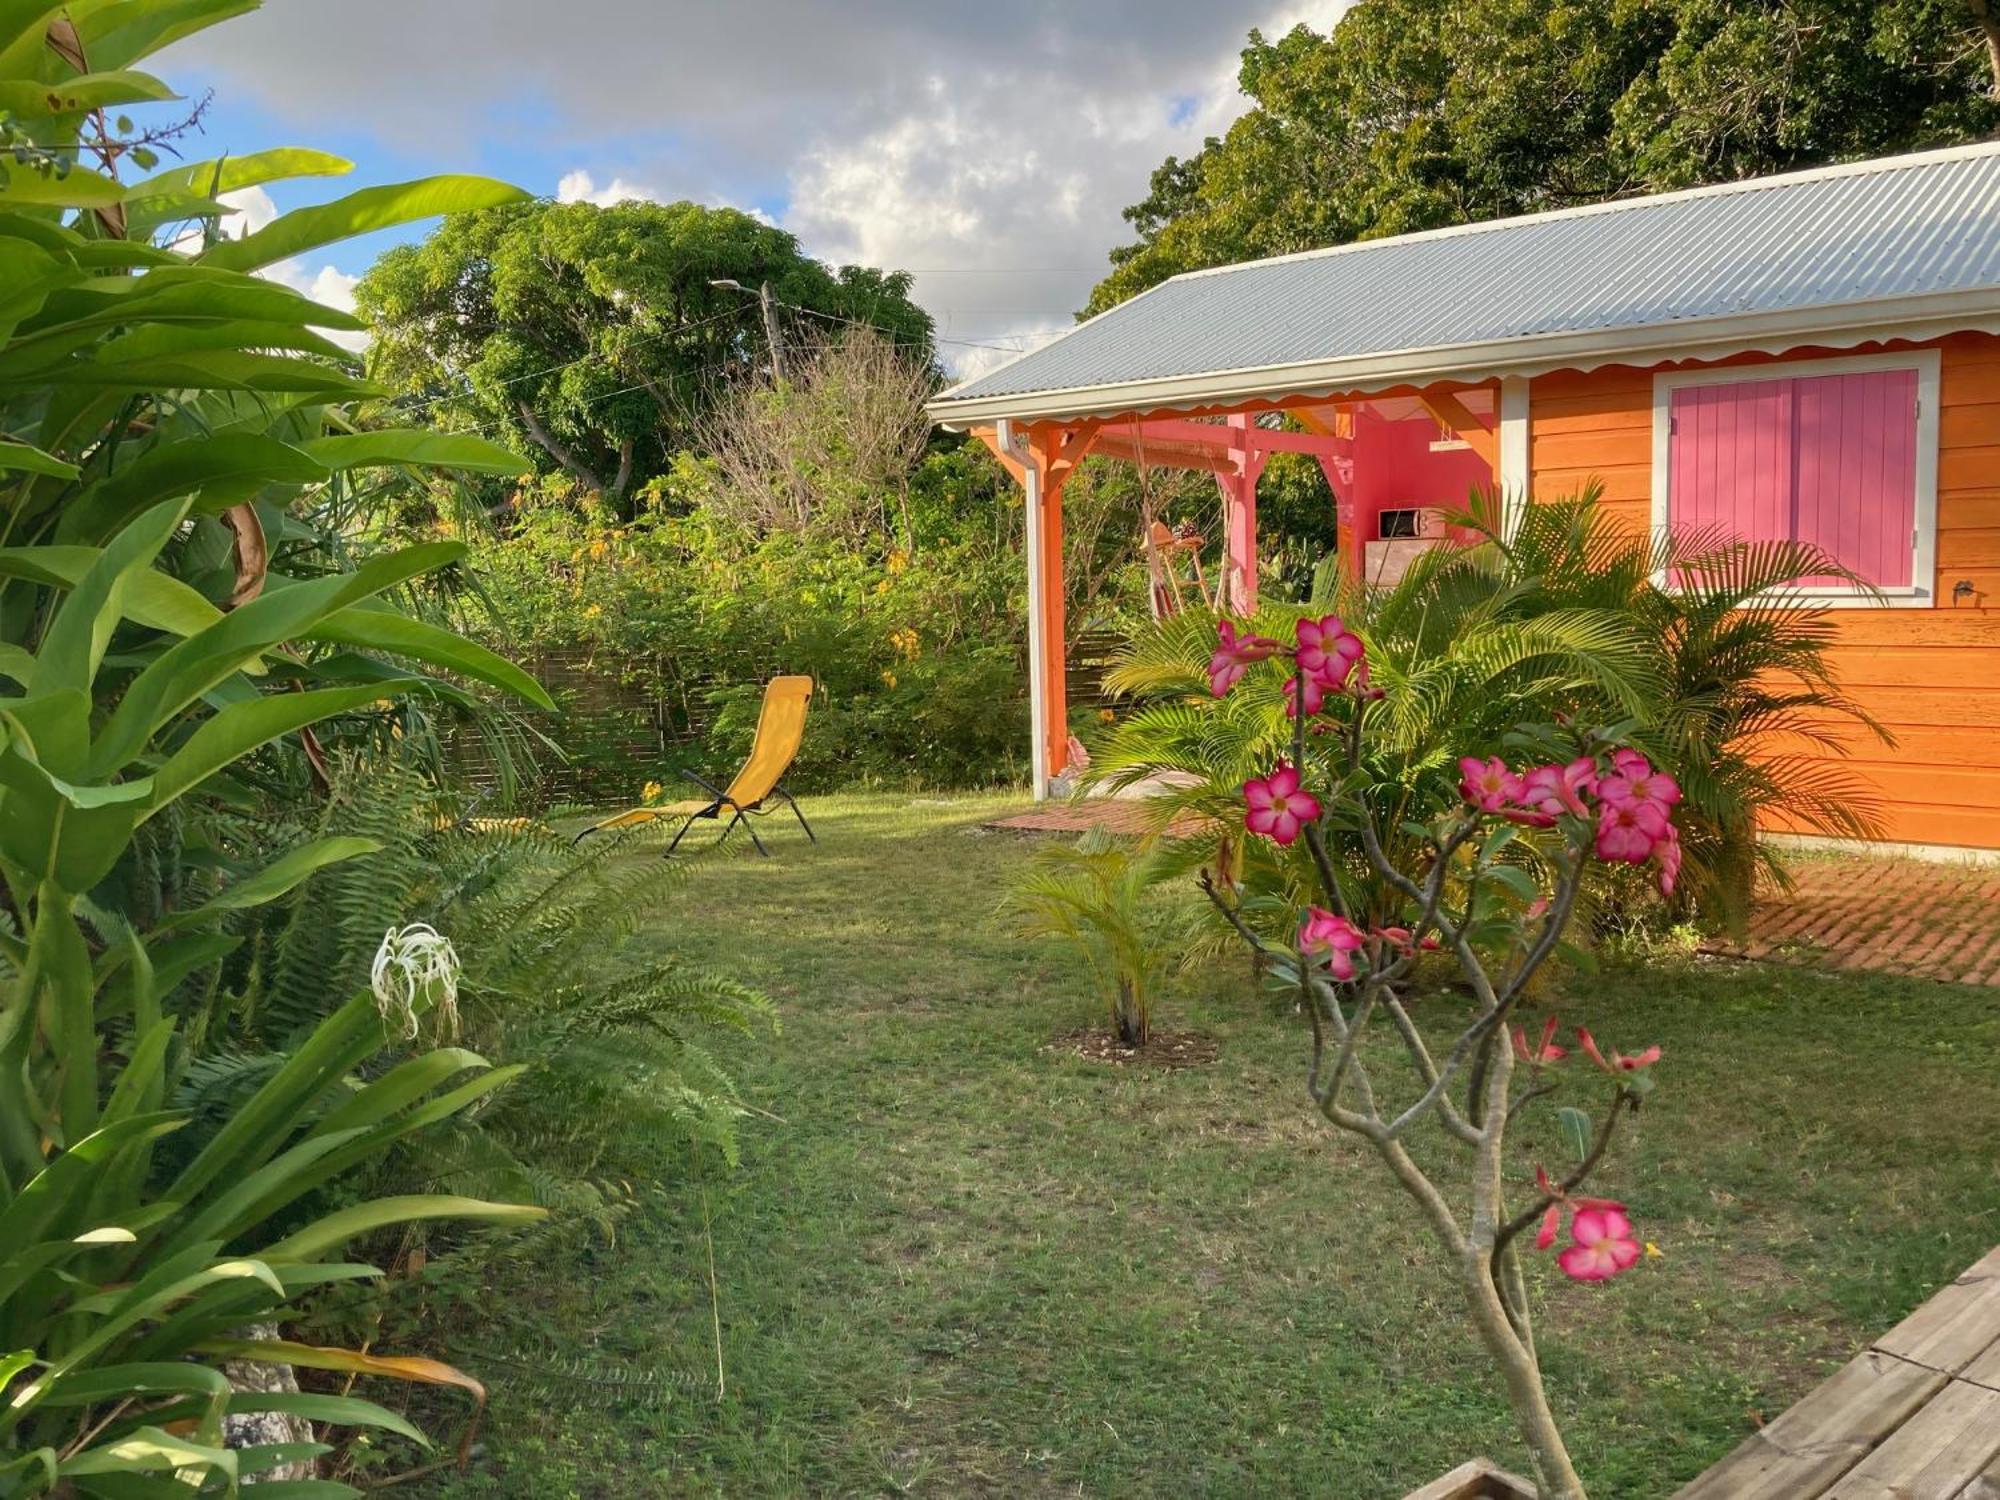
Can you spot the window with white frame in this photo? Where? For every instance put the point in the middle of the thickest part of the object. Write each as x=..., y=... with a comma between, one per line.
x=1841, y=453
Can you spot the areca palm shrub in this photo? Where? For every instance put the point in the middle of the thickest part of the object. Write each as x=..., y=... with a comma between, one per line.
x=1696, y=645
x=166, y=415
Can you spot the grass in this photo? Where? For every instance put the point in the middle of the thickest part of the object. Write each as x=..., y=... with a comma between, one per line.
x=964, y=1265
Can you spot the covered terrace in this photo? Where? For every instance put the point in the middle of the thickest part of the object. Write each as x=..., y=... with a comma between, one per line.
x=1392, y=459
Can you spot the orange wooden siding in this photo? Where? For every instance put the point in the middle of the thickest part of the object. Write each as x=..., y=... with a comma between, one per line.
x=1931, y=676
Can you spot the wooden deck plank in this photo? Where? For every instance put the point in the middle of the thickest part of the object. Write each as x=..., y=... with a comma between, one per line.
x=1935, y=1454
x=1985, y=1487
x=1828, y=1433
x=1956, y=1326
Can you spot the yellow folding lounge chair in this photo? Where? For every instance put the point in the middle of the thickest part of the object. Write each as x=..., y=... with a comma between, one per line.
x=758, y=787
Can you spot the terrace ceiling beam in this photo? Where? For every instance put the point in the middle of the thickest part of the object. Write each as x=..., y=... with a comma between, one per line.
x=1451, y=413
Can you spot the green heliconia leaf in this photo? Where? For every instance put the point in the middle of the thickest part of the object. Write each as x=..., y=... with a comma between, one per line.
x=207, y=179
x=344, y=1411
x=1576, y=1130
x=403, y=1084
x=401, y=635
x=157, y=340
x=306, y=1489
x=342, y=1225
x=79, y=187
x=156, y=600
x=173, y=470
x=279, y=1181
x=119, y=35
x=121, y=255
x=148, y=1448
x=276, y=878
x=15, y=1271
x=65, y=1181
x=76, y=641
x=435, y=450
x=208, y=370
x=235, y=731
x=23, y=24
x=180, y=293
x=20, y=458
x=193, y=666
x=16, y=662
x=115, y=1382
x=29, y=100
x=254, y=1132
x=373, y=1143
x=142, y=1081
x=360, y=213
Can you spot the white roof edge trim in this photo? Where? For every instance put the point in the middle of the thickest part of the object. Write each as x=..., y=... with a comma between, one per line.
x=1861, y=168
x=1926, y=316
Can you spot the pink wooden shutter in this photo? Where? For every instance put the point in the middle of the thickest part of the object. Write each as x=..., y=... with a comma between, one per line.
x=1856, y=487
x=1729, y=462
x=1829, y=459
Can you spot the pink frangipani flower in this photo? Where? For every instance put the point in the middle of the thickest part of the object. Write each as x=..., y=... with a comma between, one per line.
x=1487, y=784
x=1315, y=695
x=1543, y=1053
x=1277, y=806
x=1667, y=855
x=1328, y=935
x=1234, y=656
x=1328, y=651
x=1603, y=1245
x=1619, y=1062
x=1627, y=831
x=1633, y=780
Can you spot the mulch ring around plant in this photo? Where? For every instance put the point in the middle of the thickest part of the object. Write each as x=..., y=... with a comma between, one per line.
x=1163, y=1049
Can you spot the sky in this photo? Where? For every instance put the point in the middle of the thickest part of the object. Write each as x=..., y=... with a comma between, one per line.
x=986, y=147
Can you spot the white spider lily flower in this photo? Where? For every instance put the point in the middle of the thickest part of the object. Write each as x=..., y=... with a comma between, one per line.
x=416, y=966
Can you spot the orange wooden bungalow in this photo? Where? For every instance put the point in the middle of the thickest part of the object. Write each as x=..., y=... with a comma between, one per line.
x=1813, y=355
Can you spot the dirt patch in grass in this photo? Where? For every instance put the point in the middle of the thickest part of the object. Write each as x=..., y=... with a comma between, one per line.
x=1163, y=1049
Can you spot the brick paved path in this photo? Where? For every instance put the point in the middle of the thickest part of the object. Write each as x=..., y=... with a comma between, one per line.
x=1939, y=921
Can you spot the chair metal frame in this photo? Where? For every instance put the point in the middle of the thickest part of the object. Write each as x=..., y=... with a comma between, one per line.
x=758, y=808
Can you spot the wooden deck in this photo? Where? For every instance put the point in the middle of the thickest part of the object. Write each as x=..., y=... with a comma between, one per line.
x=1916, y=1416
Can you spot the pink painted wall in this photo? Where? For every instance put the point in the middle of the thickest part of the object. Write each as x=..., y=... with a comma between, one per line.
x=1394, y=466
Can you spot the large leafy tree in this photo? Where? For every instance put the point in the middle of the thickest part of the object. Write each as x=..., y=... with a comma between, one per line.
x=595, y=337
x=1413, y=114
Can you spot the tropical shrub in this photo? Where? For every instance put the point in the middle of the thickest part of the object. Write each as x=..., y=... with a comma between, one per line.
x=1100, y=896
x=1491, y=885
x=166, y=414
x=917, y=654
x=1724, y=680
x=549, y=980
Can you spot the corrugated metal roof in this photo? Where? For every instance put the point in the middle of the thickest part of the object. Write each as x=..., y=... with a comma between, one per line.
x=1859, y=234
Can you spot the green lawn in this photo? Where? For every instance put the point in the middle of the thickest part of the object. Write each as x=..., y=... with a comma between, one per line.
x=962, y=1265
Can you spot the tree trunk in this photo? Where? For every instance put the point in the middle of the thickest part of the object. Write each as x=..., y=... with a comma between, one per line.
x=1989, y=27
x=1130, y=1018
x=624, y=480
x=1555, y=1475
x=556, y=450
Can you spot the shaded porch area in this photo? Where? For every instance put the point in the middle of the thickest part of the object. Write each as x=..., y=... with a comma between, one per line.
x=1395, y=460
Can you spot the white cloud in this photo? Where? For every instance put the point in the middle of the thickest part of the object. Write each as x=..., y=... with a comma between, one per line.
x=1003, y=192
x=580, y=187
x=987, y=148
x=329, y=285
x=253, y=209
